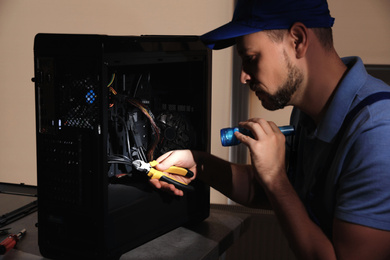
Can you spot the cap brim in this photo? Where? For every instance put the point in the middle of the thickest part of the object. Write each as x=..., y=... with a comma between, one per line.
x=225, y=36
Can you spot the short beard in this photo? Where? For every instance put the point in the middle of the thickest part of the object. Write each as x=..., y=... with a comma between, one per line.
x=283, y=96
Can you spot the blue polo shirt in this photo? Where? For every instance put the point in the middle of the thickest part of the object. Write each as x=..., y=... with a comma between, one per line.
x=357, y=184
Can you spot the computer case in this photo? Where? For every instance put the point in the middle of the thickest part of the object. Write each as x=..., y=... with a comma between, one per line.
x=102, y=102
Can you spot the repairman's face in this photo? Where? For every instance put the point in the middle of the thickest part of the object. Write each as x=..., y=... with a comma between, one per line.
x=267, y=69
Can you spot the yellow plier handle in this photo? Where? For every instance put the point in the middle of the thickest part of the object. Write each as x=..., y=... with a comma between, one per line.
x=175, y=170
x=156, y=174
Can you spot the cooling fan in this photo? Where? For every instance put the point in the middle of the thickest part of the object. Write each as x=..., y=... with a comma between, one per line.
x=177, y=132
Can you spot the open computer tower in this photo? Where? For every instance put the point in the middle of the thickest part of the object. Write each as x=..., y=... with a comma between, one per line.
x=102, y=102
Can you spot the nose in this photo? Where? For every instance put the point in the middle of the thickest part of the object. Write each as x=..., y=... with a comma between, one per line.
x=244, y=77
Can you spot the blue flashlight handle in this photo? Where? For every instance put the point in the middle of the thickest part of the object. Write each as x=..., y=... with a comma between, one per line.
x=229, y=139
x=287, y=130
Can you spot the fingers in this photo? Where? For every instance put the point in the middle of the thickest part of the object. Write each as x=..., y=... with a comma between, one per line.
x=275, y=128
x=170, y=188
x=259, y=127
x=163, y=157
x=173, y=158
x=167, y=160
x=180, y=158
x=267, y=149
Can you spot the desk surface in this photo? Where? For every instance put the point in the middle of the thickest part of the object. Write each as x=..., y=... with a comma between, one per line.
x=207, y=240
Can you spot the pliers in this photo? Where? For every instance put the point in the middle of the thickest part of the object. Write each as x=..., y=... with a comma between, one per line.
x=149, y=169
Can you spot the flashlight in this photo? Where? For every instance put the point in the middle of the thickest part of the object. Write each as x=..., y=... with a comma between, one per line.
x=229, y=139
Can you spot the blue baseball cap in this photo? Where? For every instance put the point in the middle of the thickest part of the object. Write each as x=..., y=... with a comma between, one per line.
x=252, y=16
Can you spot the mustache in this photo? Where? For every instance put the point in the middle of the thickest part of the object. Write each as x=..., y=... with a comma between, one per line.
x=254, y=86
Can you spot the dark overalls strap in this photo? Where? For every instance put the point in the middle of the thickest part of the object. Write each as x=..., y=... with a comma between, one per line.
x=313, y=201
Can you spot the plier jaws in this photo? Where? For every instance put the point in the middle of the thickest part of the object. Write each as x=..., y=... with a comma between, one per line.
x=153, y=173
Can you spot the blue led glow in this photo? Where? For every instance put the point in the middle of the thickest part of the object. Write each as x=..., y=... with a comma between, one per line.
x=90, y=97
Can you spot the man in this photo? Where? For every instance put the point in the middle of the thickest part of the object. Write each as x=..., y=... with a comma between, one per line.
x=332, y=194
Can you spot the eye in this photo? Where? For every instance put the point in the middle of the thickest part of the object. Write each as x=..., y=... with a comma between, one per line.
x=249, y=58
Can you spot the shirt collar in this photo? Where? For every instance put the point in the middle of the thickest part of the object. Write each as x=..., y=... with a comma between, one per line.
x=344, y=96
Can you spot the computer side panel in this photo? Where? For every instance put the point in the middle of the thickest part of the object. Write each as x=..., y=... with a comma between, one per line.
x=101, y=103
x=71, y=144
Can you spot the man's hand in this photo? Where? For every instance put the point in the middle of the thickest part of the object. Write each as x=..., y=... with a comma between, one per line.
x=182, y=158
x=267, y=148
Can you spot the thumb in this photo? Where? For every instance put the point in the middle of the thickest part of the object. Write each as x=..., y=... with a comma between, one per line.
x=165, y=161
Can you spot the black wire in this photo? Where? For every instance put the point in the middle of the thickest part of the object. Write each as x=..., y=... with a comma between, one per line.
x=136, y=87
x=127, y=134
x=119, y=159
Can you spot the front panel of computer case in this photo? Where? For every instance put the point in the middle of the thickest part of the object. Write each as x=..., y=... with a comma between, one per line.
x=101, y=103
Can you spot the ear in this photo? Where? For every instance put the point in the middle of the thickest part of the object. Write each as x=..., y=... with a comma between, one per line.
x=299, y=37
